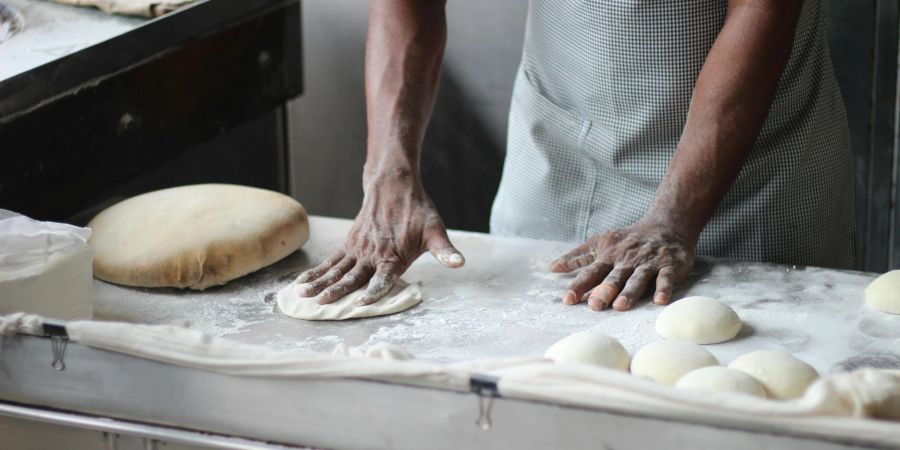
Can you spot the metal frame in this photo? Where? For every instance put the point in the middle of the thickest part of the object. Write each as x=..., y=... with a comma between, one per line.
x=151, y=435
x=341, y=413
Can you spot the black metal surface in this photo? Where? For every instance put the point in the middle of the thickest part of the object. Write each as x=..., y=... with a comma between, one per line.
x=882, y=228
x=862, y=36
x=877, y=158
x=74, y=130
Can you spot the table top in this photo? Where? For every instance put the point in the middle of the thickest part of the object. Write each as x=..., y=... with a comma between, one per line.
x=505, y=302
x=53, y=31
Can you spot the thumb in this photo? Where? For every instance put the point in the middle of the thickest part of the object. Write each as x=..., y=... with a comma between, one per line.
x=443, y=250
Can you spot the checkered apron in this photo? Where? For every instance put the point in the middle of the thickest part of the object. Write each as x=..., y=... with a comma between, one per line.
x=600, y=101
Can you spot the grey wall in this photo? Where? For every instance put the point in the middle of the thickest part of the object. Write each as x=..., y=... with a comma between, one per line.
x=465, y=142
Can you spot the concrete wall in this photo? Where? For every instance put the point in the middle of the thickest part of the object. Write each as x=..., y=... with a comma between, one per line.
x=464, y=146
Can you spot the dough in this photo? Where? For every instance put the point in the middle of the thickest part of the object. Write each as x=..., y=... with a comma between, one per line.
x=667, y=361
x=715, y=379
x=883, y=293
x=195, y=236
x=589, y=347
x=784, y=376
x=701, y=320
x=400, y=298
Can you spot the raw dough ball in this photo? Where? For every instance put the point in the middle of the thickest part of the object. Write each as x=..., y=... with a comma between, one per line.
x=589, y=347
x=667, y=361
x=784, y=376
x=195, y=236
x=721, y=379
x=883, y=293
x=701, y=320
x=400, y=298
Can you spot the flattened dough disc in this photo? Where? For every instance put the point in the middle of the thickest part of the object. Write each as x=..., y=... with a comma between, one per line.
x=195, y=236
x=400, y=298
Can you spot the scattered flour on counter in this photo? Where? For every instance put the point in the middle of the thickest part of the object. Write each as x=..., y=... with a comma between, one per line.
x=226, y=318
x=316, y=343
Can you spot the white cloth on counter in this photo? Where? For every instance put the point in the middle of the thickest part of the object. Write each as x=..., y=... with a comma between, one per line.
x=45, y=268
x=835, y=406
x=143, y=8
x=839, y=405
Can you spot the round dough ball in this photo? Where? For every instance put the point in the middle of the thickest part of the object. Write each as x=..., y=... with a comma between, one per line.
x=784, y=376
x=667, y=361
x=701, y=320
x=883, y=293
x=715, y=379
x=589, y=347
x=195, y=236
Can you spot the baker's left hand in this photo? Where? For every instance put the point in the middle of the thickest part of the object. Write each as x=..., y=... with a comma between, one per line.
x=618, y=266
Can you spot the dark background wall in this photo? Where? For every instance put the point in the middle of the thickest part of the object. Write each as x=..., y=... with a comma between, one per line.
x=464, y=147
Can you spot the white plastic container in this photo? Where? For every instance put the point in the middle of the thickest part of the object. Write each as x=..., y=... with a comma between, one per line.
x=45, y=268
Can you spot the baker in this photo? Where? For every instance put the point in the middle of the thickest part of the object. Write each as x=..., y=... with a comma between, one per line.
x=650, y=131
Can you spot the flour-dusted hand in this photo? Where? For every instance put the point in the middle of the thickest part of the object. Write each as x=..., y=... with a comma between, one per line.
x=396, y=224
x=397, y=221
x=618, y=266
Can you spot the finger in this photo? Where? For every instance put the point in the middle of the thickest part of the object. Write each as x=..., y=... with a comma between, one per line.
x=327, y=279
x=380, y=284
x=604, y=294
x=317, y=271
x=352, y=281
x=584, y=281
x=634, y=289
x=443, y=250
x=665, y=282
x=578, y=257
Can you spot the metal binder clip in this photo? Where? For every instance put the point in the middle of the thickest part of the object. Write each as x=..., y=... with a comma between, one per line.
x=485, y=386
x=59, y=339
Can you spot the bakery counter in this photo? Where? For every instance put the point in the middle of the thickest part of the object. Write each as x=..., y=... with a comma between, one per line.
x=198, y=384
x=505, y=302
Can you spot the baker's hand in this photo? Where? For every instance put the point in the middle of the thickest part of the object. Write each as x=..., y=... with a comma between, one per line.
x=618, y=266
x=396, y=224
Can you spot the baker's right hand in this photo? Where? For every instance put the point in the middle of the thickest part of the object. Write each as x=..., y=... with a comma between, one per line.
x=396, y=224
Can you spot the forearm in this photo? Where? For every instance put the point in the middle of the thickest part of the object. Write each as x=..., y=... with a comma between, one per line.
x=731, y=99
x=404, y=49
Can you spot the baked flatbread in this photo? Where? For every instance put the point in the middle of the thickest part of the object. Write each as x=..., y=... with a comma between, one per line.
x=195, y=236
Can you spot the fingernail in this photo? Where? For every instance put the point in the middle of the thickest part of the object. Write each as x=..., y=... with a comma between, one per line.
x=660, y=298
x=596, y=304
x=569, y=298
x=621, y=304
x=455, y=258
x=304, y=289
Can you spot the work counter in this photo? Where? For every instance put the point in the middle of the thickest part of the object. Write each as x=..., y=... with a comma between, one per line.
x=505, y=302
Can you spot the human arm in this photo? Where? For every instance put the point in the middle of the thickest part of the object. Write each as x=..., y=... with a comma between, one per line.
x=731, y=99
x=397, y=221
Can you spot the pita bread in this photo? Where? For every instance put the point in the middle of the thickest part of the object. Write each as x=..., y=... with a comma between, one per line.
x=195, y=236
